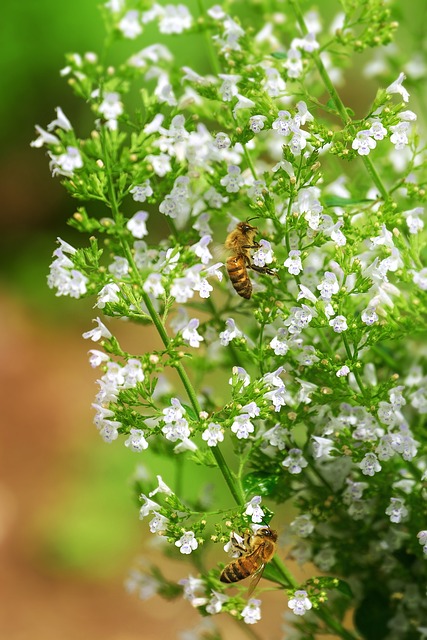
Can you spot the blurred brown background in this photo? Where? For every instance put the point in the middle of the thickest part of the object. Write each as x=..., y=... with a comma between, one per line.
x=69, y=530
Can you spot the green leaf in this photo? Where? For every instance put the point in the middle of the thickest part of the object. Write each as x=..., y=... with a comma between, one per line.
x=331, y=104
x=193, y=415
x=338, y=201
x=344, y=588
x=373, y=614
x=279, y=55
x=204, y=457
x=260, y=483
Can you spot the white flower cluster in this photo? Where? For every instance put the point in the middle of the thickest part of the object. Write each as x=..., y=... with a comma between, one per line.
x=63, y=277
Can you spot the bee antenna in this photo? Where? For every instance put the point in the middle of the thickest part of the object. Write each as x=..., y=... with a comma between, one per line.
x=253, y=218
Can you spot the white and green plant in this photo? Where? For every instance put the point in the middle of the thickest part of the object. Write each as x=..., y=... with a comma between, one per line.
x=311, y=393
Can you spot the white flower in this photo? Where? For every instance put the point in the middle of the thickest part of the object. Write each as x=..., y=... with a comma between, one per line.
x=153, y=285
x=97, y=358
x=420, y=278
x=363, y=142
x=158, y=524
x=344, y=371
x=61, y=121
x=178, y=430
x=213, y=434
x=283, y=123
x=194, y=591
x=108, y=294
x=396, y=510
x=130, y=25
x=339, y=324
x=370, y=465
x=66, y=163
x=187, y=543
x=119, y=267
x=377, y=129
x=263, y=255
x=369, y=316
x=230, y=333
x=136, y=441
x=399, y=135
x=328, y=286
x=396, y=87
x=190, y=334
x=413, y=219
x=229, y=89
x=162, y=487
x=201, y=249
x=252, y=612
x=295, y=462
x=254, y=510
x=175, y=19
x=44, y=138
x=242, y=426
x=111, y=107
x=99, y=332
x=136, y=224
x=233, y=180
x=147, y=507
x=215, y=603
x=141, y=192
x=293, y=262
x=280, y=343
x=300, y=603
x=256, y=123
x=302, y=526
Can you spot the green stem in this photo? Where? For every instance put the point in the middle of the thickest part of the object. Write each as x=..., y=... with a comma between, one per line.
x=228, y=477
x=250, y=163
x=211, y=51
x=354, y=360
x=339, y=103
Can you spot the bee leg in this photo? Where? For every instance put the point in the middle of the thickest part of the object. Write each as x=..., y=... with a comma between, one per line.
x=270, y=272
x=255, y=245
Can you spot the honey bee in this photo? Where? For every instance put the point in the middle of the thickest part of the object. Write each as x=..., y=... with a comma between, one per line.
x=256, y=550
x=240, y=241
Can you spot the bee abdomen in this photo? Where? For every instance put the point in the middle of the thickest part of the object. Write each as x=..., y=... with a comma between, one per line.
x=234, y=572
x=239, y=276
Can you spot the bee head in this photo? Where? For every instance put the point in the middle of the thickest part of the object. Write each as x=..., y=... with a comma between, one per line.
x=245, y=227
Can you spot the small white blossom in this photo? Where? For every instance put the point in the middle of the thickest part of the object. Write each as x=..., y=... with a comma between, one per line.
x=136, y=441
x=233, y=180
x=328, y=286
x=343, y=371
x=283, y=123
x=190, y=334
x=230, y=333
x=295, y=462
x=370, y=465
x=293, y=262
x=136, y=224
x=201, y=249
x=215, y=603
x=396, y=510
x=252, y=612
x=377, y=130
x=228, y=89
x=256, y=123
x=413, y=220
x=263, y=255
x=213, y=434
x=302, y=526
x=397, y=87
x=300, y=603
x=153, y=285
x=187, y=543
x=339, y=324
x=141, y=192
x=363, y=142
x=254, y=510
x=130, y=25
x=242, y=426
x=399, y=135
x=99, y=332
x=369, y=316
x=108, y=294
x=66, y=163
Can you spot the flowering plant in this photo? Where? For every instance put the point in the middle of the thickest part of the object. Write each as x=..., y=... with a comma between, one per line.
x=320, y=389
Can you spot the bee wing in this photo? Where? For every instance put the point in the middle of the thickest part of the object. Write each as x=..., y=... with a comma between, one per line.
x=255, y=579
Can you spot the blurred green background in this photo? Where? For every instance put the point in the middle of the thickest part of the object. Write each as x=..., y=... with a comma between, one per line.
x=69, y=529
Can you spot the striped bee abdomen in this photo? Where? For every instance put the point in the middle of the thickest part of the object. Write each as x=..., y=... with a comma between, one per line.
x=239, y=276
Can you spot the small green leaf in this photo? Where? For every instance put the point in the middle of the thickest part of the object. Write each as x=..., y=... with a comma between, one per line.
x=338, y=201
x=260, y=483
x=331, y=104
x=279, y=55
x=193, y=415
